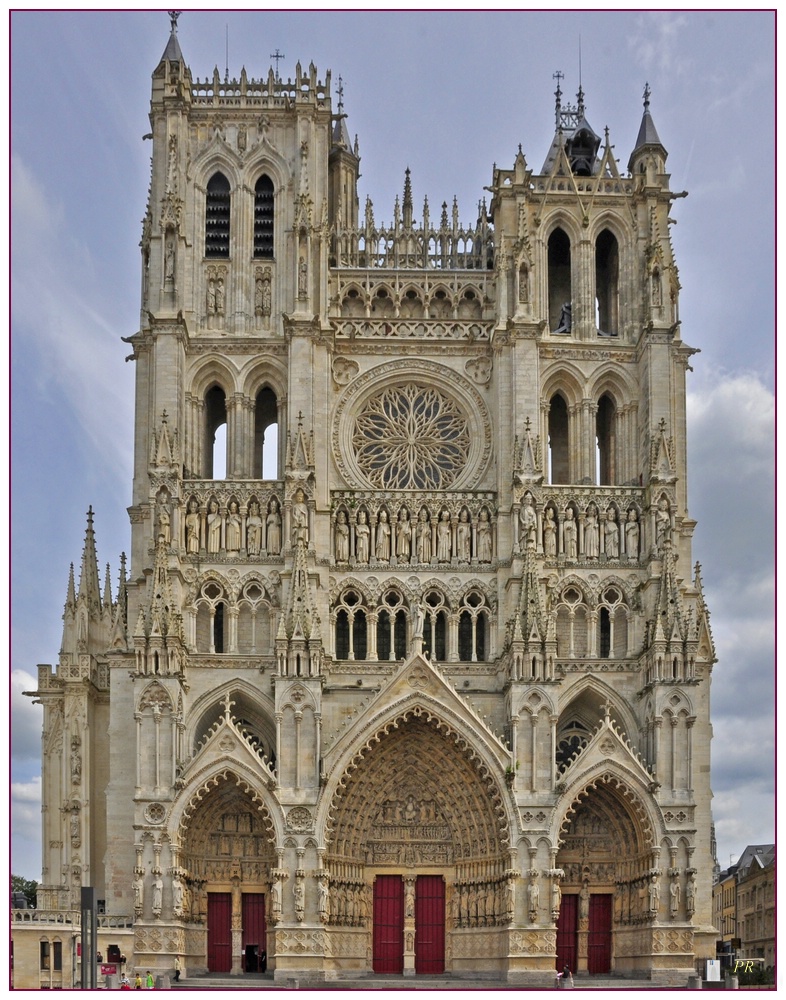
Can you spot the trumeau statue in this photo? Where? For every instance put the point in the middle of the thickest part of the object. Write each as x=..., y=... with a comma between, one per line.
x=383, y=537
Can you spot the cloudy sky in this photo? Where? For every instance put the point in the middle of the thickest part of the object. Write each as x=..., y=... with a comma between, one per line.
x=447, y=95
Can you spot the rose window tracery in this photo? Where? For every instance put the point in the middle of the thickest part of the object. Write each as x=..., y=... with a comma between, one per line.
x=411, y=437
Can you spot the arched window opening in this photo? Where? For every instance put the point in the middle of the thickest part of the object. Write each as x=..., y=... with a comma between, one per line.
x=605, y=441
x=264, y=205
x=360, y=635
x=559, y=470
x=217, y=211
x=266, y=435
x=342, y=635
x=472, y=636
x=605, y=633
x=607, y=267
x=218, y=628
x=434, y=636
x=215, y=444
x=570, y=742
x=465, y=637
x=560, y=296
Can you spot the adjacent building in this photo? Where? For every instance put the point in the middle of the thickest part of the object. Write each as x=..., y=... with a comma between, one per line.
x=411, y=674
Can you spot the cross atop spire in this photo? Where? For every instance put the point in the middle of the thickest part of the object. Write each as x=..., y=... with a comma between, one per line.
x=277, y=56
x=647, y=93
x=340, y=96
x=173, y=16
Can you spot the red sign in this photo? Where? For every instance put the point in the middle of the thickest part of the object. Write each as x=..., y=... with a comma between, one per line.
x=108, y=970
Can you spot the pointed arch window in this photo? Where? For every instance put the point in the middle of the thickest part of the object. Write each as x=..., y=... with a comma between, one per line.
x=266, y=435
x=607, y=279
x=215, y=459
x=264, y=210
x=217, y=212
x=560, y=294
x=559, y=451
x=605, y=431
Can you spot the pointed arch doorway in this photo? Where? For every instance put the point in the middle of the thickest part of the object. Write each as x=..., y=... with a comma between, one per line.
x=607, y=857
x=226, y=858
x=419, y=832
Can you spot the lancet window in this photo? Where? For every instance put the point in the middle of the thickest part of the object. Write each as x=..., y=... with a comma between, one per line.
x=392, y=627
x=606, y=437
x=212, y=619
x=435, y=627
x=559, y=271
x=214, y=458
x=473, y=628
x=351, y=627
x=264, y=212
x=607, y=269
x=559, y=449
x=217, y=214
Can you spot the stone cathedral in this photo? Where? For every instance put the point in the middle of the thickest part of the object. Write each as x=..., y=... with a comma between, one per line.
x=409, y=675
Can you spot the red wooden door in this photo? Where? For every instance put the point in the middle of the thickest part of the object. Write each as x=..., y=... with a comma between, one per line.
x=429, y=924
x=567, y=933
x=388, y=954
x=599, y=939
x=219, y=932
x=254, y=927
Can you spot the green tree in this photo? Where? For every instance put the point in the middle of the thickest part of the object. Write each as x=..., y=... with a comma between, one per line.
x=26, y=885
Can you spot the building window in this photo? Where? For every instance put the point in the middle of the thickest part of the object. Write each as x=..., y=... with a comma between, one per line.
x=45, y=956
x=215, y=458
x=217, y=210
x=560, y=295
x=559, y=463
x=607, y=271
x=605, y=427
x=263, y=217
x=266, y=435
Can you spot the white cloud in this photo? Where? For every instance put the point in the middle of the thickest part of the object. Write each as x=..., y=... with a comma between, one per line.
x=26, y=718
x=60, y=312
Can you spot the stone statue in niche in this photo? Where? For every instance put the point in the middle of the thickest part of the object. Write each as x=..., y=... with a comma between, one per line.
x=299, y=519
x=556, y=896
x=192, y=528
x=653, y=891
x=233, y=538
x=632, y=534
x=591, y=533
x=529, y=521
x=690, y=895
x=363, y=538
x=549, y=533
x=324, y=901
x=463, y=536
x=612, y=535
x=211, y=297
x=76, y=761
x=299, y=892
x=164, y=523
x=423, y=537
x=674, y=897
x=76, y=836
x=342, y=538
x=262, y=294
x=565, y=320
x=533, y=899
x=584, y=901
x=569, y=534
x=484, y=538
x=302, y=278
x=275, y=902
x=213, y=527
x=169, y=260
x=403, y=537
x=177, y=896
x=139, y=894
x=220, y=296
x=383, y=537
x=662, y=524
x=158, y=895
x=253, y=530
x=443, y=537
x=274, y=529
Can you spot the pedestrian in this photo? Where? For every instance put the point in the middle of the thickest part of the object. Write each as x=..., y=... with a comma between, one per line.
x=177, y=968
x=138, y=982
x=149, y=982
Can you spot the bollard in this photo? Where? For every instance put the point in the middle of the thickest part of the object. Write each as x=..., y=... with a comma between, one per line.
x=162, y=982
x=694, y=982
x=732, y=982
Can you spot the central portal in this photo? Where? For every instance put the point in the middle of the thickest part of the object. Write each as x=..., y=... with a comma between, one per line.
x=403, y=924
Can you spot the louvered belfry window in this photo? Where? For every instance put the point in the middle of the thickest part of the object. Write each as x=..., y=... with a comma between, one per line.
x=263, y=217
x=217, y=217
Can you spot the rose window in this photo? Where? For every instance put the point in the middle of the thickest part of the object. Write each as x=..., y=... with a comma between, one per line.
x=407, y=437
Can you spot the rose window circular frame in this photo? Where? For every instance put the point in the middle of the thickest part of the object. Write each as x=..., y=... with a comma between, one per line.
x=413, y=426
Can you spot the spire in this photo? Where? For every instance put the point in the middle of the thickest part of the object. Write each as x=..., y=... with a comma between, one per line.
x=89, y=589
x=407, y=200
x=340, y=132
x=70, y=603
x=172, y=51
x=648, y=137
x=107, y=591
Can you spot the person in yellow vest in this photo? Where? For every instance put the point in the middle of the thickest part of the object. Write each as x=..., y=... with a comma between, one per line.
x=138, y=982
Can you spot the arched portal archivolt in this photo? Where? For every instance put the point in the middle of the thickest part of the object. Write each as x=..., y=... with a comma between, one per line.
x=225, y=832
x=417, y=795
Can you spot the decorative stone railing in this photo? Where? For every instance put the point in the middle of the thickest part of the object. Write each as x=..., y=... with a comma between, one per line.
x=412, y=329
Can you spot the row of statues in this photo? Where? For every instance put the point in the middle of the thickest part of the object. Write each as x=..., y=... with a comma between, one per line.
x=421, y=541
x=591, y=529
x=263, y=533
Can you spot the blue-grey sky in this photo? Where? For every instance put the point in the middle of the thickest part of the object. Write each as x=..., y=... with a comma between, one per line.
x=448, y=95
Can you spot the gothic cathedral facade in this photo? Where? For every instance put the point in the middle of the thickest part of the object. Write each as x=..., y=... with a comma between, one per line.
x=419, y=682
